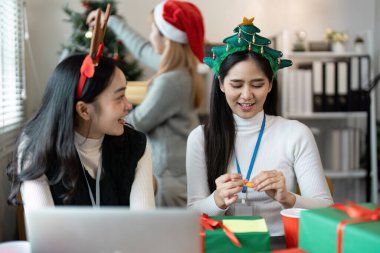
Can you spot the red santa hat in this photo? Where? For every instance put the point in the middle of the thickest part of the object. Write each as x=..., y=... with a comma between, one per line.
x=181, y=22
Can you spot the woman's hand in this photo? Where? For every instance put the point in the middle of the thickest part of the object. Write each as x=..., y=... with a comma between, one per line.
x=90, y=21
x=273, y=183
x=227, y=188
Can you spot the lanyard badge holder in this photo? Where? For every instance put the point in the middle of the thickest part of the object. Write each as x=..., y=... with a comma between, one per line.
x=244, y=198
x=244, y=207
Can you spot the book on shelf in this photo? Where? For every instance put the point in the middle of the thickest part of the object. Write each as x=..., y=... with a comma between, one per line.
x=365, y=80
x=358, y=95
x=353, y=91
x=329, y=87
x=331, y=152
x=299, y=91
x=336, y=85
x=342, y=81
x=308, y=88
x=339, y=148
x=317, y=86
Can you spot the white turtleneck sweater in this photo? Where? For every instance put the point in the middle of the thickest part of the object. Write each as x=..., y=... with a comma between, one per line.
x=36, y=193
x=287, y=146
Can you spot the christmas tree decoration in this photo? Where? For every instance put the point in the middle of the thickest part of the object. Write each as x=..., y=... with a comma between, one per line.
x=246, y=39
x=80, y=38
x=88, y=34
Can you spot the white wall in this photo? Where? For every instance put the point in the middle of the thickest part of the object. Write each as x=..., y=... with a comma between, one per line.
x=48, y=31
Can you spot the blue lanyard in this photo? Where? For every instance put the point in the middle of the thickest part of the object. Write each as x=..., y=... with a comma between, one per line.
x=253, y=155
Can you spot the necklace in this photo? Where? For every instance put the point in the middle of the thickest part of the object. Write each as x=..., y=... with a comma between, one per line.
x=253, y=155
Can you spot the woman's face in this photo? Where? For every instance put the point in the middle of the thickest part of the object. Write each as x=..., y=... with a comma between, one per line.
x=156, y=39
x=246, y=88
x=111, y=106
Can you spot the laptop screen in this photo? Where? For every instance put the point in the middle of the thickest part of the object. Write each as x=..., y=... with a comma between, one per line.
x=113, y=229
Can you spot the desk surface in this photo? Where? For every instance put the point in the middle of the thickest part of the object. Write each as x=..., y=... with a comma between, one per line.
x=277, y=242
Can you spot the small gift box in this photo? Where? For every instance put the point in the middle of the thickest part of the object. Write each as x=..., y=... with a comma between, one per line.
x=341, y=228
x=136, y=91
x=241, y=234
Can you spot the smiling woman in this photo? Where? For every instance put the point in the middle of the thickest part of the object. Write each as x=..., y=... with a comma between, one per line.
x=246, y=160
x=77, y=149
x=106, y=114
x=246, y=87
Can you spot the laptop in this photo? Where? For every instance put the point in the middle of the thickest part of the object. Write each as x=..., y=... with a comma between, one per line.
x=113, y=230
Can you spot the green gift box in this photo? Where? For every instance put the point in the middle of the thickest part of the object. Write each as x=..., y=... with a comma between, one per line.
x=318, y=232
x=216, y=241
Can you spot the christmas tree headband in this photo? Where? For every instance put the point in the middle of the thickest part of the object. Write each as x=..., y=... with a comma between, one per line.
x=87, y=69
x=246, y=38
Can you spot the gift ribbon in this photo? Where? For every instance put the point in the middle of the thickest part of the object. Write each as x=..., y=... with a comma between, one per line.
x=210, y=224
x=358, y=214
x=87, y=69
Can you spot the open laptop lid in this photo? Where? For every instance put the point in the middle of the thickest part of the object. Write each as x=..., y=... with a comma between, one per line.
x=113, y=230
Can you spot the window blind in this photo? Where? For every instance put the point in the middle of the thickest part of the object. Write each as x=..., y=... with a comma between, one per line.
x=12, y=72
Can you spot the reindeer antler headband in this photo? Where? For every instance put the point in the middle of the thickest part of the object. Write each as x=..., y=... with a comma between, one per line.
x=87, y=69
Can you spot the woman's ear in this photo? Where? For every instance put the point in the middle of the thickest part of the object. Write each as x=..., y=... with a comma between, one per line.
x=82, y=110
x=270, y=86
x=221, y=86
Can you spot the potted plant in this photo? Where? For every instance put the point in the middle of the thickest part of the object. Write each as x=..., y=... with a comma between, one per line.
x=359, y=44
x=299, y=44
x=336, y=39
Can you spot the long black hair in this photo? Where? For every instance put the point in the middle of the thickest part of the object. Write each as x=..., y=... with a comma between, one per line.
x=219, y=130
x=46, y=143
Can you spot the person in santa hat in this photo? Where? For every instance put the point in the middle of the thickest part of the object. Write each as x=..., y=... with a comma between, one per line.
x=168, y=112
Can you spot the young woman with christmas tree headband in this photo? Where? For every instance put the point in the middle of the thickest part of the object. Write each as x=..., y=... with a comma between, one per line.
x=168, y=112
x=245, y=160
x=77, y=149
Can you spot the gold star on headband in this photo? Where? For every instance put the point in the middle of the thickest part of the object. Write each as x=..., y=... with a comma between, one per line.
x=247, y=21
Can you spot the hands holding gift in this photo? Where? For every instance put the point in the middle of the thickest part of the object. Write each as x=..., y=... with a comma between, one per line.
x=227, y=188
x=274, y=185
x=272, y=182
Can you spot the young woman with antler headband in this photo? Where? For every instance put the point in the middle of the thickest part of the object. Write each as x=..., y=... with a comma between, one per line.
x=168, y=112
x=77, y=149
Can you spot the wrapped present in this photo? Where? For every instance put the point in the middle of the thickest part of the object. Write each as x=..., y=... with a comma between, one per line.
x=241, y=234
x=341, y=228
x=136, y=91
x=291, y=250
